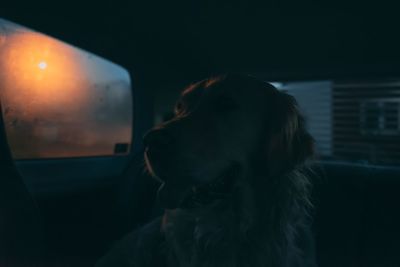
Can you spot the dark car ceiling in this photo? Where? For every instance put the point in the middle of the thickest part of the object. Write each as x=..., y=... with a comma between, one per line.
x=164, y=42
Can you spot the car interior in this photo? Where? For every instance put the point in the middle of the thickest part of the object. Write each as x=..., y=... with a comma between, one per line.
x=78, y=91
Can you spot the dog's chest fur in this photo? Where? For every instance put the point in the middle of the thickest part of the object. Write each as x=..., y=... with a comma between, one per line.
x=210, y=238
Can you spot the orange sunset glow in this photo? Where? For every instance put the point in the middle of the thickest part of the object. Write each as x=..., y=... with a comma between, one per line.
x=42, y=66
x=58, y=100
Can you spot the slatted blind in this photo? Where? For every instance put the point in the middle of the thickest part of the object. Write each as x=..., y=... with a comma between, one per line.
x=367, y=121
x=352, y=121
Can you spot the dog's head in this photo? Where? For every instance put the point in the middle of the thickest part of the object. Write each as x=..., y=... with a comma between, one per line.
x=224, y=127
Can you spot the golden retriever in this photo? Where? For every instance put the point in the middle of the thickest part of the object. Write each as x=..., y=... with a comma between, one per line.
x=233, y=183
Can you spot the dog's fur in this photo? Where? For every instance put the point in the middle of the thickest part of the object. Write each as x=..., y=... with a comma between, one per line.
x=232, y=165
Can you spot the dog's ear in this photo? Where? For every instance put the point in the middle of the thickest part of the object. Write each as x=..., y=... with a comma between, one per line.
x=290, y=144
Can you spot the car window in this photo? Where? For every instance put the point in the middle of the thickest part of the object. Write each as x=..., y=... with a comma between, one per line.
x=354, y=121
x=59, y=101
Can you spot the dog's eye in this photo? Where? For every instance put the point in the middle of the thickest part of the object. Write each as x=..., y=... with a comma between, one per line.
x=179, y=108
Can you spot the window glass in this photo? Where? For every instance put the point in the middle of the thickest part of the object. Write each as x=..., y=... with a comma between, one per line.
x=59, y=101
x=351, y=121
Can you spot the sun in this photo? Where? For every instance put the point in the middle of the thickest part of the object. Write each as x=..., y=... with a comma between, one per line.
x=42, y=65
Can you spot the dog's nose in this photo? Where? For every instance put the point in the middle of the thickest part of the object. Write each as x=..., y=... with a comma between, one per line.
x=158, y=138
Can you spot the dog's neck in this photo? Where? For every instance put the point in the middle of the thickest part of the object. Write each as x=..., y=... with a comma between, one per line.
x=244, y=230
x=202, y=235
x=237, y=231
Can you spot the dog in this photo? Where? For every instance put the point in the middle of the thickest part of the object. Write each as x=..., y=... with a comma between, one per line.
x=233, y=166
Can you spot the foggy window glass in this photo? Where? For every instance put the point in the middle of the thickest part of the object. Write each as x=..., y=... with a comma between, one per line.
x=59, y=101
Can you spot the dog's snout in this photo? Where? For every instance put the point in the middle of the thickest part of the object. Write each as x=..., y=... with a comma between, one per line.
x=158, y=138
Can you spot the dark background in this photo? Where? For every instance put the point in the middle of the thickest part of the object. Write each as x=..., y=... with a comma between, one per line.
x=166, y=43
